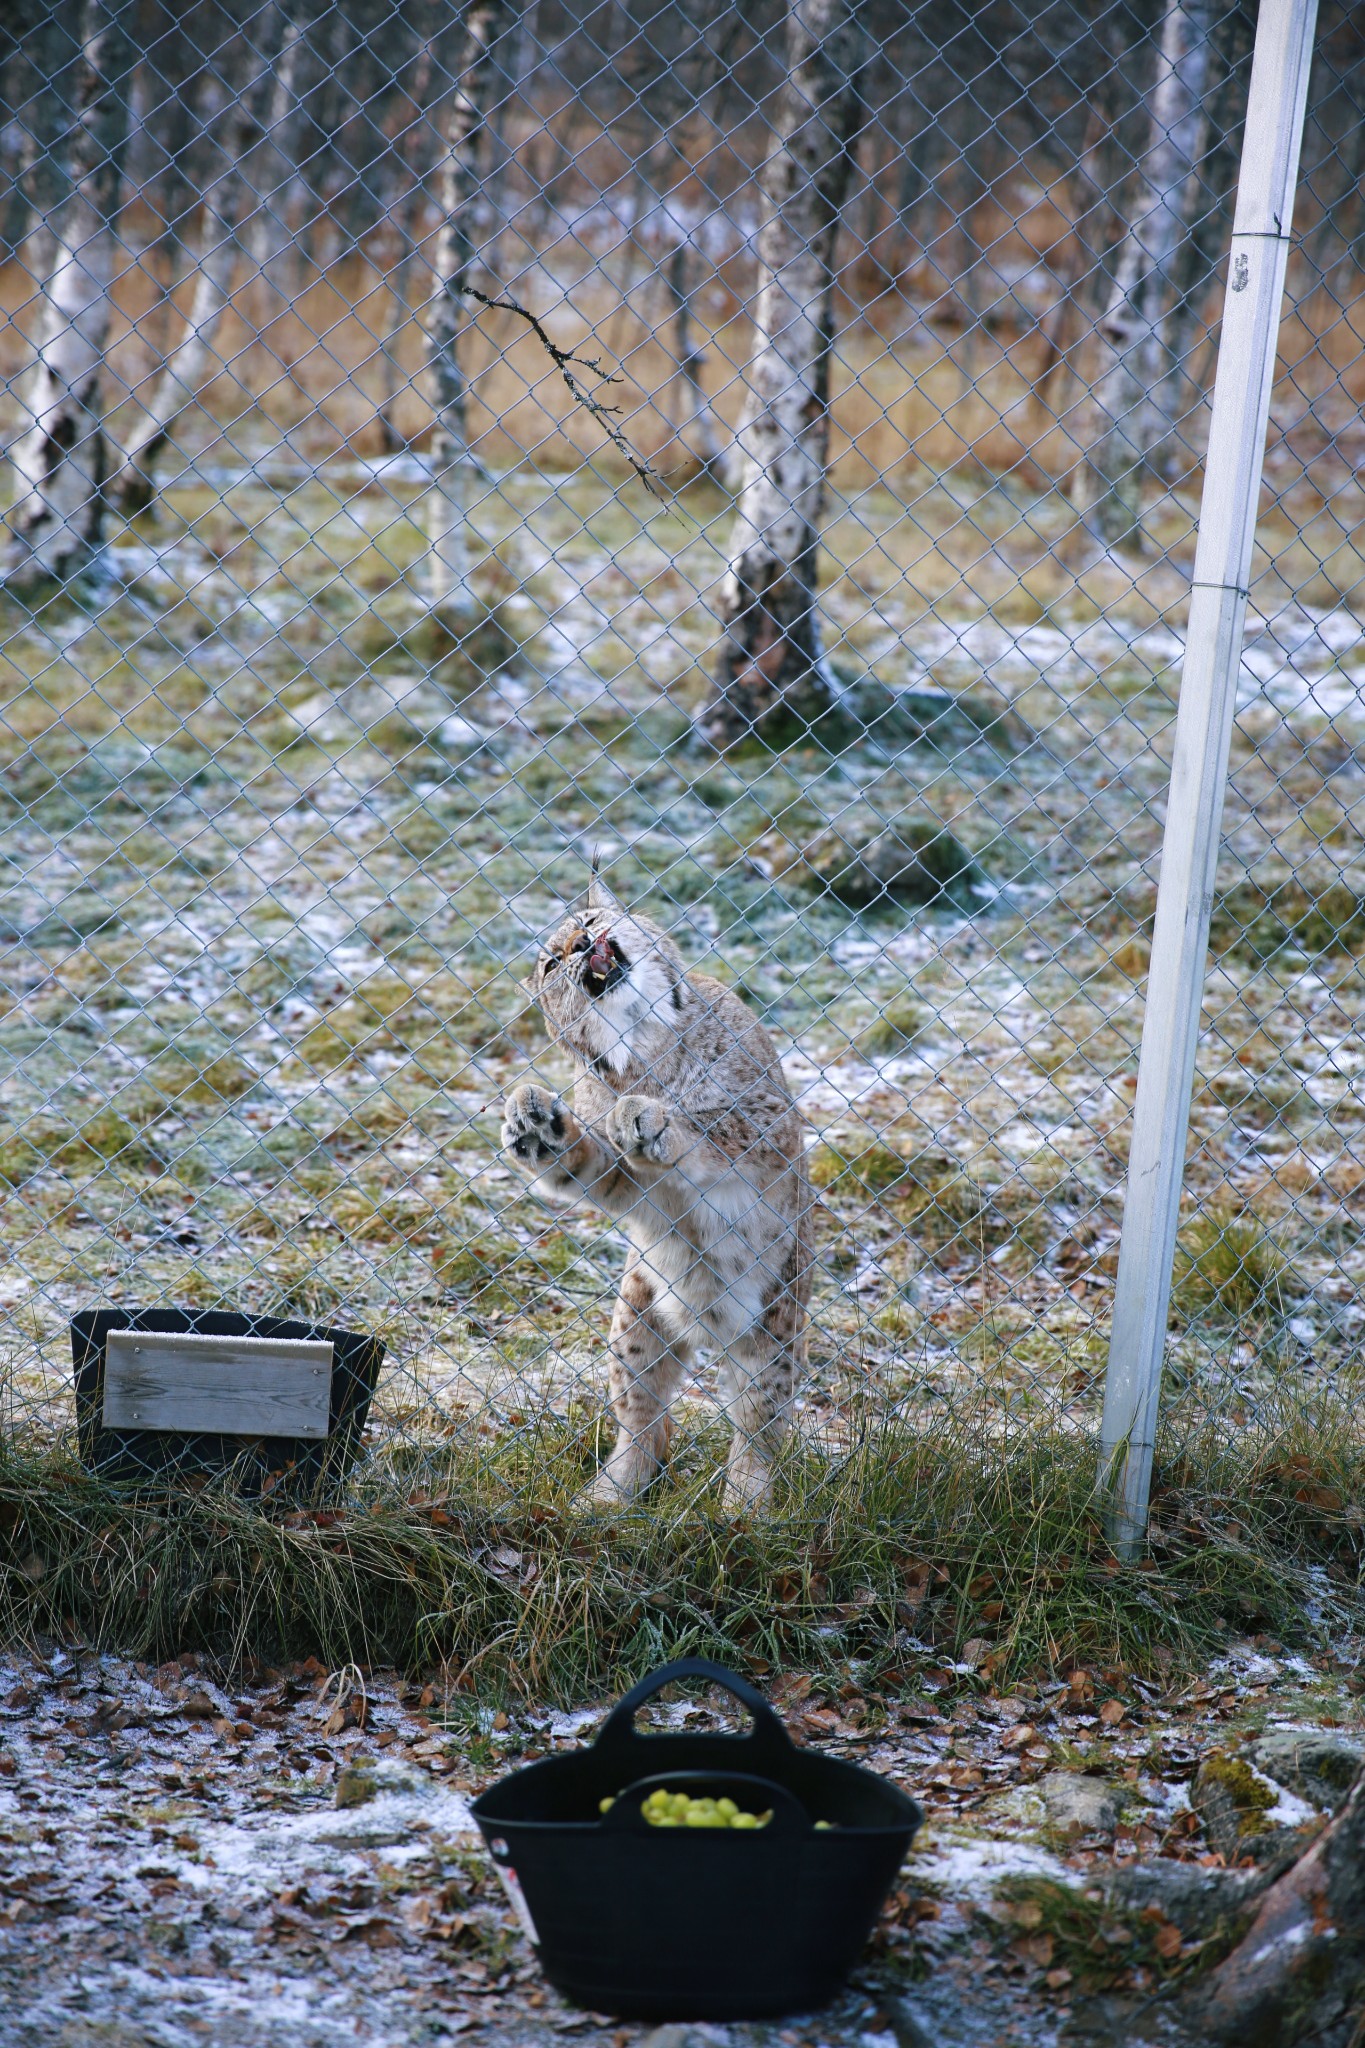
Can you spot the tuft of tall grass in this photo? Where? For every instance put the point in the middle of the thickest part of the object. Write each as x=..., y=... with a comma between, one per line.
x=911, y=1547
x=1230, y=1268
x=103, y=1138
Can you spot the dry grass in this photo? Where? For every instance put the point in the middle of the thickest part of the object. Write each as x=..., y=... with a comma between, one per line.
x=913, y=1546
x=1229, y=1268
x=918, y=384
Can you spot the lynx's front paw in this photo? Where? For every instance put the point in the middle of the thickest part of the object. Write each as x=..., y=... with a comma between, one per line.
x=537, y=1126
x=640, y=1128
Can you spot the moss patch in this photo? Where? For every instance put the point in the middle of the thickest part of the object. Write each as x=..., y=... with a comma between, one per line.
x=1235, y=1779
x=866, y=865
x=1064, y=1928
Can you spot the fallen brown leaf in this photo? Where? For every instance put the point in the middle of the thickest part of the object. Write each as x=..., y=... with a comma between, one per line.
x=1037, y=1949
x=198, y=1707
x=374, y=1929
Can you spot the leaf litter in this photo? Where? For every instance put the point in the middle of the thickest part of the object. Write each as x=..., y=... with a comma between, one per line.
x=188, y=1854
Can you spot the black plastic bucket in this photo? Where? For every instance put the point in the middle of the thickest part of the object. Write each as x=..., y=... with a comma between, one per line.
x=693, y=1923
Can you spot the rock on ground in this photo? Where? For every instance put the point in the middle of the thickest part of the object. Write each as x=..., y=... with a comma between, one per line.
x=1318, y=1764
x=1077, y=1804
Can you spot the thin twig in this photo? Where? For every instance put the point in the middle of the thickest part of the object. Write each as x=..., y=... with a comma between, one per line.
x=564, y=361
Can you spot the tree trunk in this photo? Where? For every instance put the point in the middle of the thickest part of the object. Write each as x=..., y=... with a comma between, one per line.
x=57, y=521
x=1209, y=214
x=191, y=364
x=267, y=232
x=41, y=76
x=695, y=422
x=1131, y=371
x=178, y=123
x=771, y=659
x=300, y=203
x=1298, y=1975
x=406, y=221
x=330, y=106
x=447, y=499
x=661, y=230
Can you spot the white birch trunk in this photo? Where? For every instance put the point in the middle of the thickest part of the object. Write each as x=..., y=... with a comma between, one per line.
x=46, y=171
x=447, y=498
x=57, y=520
x=267, y=232
x=406, y=221
x=771, y=666
x=192, y=363
x=1130, y=376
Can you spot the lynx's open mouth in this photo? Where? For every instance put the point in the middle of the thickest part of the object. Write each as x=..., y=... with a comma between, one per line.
x=605, y=965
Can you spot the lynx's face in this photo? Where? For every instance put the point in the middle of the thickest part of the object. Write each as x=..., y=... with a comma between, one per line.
x=608, y=984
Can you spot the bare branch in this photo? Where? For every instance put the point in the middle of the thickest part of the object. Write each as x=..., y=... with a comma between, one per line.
x=564, y=361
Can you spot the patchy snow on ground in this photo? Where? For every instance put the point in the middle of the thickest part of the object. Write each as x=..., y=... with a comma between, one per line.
x=175, y=1867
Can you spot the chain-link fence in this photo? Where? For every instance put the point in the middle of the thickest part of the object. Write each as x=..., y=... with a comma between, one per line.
x=757, y=448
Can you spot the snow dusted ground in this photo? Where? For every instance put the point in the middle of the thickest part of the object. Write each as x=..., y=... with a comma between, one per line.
x=174, y=1867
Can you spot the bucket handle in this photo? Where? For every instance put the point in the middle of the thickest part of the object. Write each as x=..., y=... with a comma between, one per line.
x=619, y=1727
x=624, y=1815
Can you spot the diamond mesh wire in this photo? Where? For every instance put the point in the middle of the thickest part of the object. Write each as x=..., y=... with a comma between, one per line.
x=339, y=633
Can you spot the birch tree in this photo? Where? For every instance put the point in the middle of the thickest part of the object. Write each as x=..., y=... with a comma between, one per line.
x=40, y=99
x=1131, y=380
x=694, y=419
x=267, y=230
x=447, y=498
x=405, y=218
x=1187, y=352
x=771, y=657
x=57, y=520
x=192, y=362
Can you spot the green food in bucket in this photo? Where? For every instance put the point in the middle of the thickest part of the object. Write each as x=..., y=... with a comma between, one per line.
x=665, y=1809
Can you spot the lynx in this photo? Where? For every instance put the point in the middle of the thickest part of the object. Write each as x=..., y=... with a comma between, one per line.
x=683, y=1132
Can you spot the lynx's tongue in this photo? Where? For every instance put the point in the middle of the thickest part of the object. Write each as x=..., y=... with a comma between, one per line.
x=602, y=959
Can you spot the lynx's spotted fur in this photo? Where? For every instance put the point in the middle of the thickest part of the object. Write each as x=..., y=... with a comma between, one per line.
x=683, y=1132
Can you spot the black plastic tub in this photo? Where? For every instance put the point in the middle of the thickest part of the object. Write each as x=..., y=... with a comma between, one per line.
x=697, y=1924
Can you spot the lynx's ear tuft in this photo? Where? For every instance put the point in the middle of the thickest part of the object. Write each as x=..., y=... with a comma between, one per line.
x=599, y=895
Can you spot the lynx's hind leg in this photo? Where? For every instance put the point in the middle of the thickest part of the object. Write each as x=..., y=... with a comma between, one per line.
x=758, y=1379
x=648, y=1360
x=757, y=1384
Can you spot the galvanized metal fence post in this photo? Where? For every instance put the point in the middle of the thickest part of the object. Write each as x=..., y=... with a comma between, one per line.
x=1213, y=644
